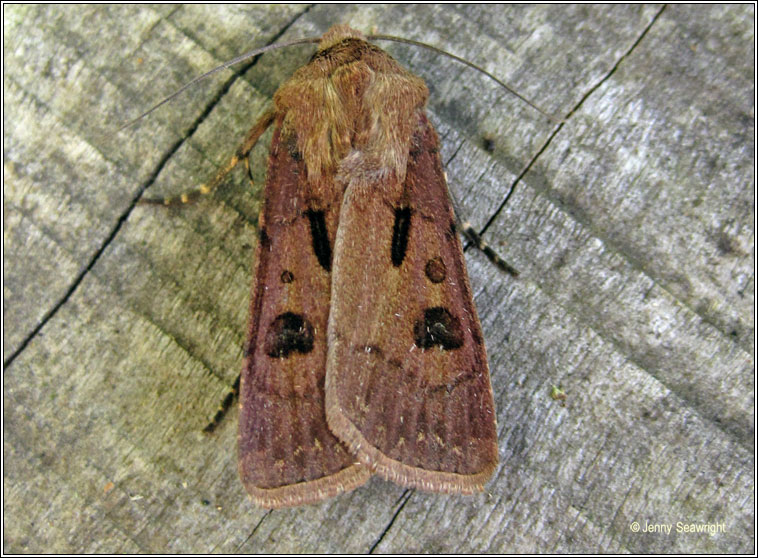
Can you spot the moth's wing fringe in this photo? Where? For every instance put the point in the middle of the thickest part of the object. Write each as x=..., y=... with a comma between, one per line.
x=391, y=469
x=311, y=492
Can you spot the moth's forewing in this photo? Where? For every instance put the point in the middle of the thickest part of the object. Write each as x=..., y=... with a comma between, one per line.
x=287, y=454
x=408, y=387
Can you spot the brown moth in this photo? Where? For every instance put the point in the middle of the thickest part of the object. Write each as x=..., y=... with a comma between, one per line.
x=364, y=352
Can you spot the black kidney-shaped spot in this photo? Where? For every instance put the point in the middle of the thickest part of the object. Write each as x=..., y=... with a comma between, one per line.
x=287, y=334
x=438, y=327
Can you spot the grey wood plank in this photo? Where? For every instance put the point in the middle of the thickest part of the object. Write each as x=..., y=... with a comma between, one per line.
x=632, y=229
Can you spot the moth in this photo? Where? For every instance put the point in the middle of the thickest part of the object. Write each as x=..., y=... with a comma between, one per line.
x=364, y=351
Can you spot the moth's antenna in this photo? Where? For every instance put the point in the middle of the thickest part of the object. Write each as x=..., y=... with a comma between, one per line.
x=267, y=48
x=470, y=65
x=217, y=69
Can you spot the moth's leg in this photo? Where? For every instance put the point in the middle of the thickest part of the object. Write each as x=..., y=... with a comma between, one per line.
x=189, y=197
x=226, y=404
x=477, y=241
x=468, y=231
x=249, y=172
x=240, y=155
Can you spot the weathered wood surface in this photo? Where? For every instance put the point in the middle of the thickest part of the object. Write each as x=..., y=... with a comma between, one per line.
x=632, y=228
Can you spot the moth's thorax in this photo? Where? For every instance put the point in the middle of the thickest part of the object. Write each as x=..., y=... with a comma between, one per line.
x=352, y=109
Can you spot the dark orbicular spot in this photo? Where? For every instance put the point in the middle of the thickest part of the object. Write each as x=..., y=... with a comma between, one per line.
x=435, y=270
x=320, y=238
x=287, y=276
x=288, y=333
x=400, y=234
x=438, y=327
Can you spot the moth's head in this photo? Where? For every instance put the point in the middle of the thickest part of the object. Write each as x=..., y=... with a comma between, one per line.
x=338, y=33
